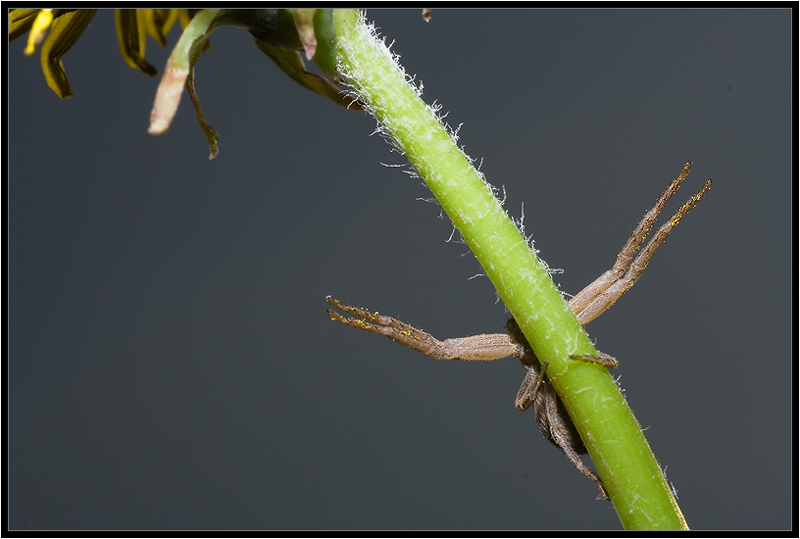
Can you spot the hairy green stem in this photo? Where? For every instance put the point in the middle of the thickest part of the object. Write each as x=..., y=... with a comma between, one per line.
x=626, y=464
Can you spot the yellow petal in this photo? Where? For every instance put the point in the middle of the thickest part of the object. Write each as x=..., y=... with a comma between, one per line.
x=159, y=22
x=20, y=22
x=130, y=25
x=65, y=32
x=40, y=26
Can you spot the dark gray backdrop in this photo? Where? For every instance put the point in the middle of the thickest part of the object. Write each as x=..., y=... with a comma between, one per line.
x=171, y=364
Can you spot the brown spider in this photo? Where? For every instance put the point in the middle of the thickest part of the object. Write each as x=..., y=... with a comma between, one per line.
x=553, y=419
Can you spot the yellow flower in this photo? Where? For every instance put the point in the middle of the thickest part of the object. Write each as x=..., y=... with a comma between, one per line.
x=280, y=34
x=67, y=25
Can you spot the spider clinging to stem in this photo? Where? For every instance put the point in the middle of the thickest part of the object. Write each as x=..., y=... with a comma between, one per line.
x=536, y=390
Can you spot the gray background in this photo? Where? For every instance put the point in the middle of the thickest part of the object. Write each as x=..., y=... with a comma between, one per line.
x=171, y=364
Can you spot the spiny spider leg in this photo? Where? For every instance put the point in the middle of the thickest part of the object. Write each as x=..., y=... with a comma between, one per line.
x=610, y=362
x=561, y=438
x=536, y=390
x=625, y=257
x=600, y=295
x=607, y=298
x=530, y=387
x=484, y=347
x=554, y=422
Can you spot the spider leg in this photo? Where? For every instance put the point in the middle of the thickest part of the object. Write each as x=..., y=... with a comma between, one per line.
x=596, y=298
x=560, y=436
x=554, y=422
x=484, y=347
x=625, y=257
x=530, y=387
x=606, y=298
x=610, y=362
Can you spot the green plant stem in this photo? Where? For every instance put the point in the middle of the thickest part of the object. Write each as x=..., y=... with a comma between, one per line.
x=626, y=464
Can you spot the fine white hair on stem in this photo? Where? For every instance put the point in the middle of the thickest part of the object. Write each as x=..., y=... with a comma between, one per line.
x=431, y=200
x=505, y=195
x=370, y=31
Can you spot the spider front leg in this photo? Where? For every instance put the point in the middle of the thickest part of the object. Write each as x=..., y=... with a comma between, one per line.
x=484, y=347
x=600, y=295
